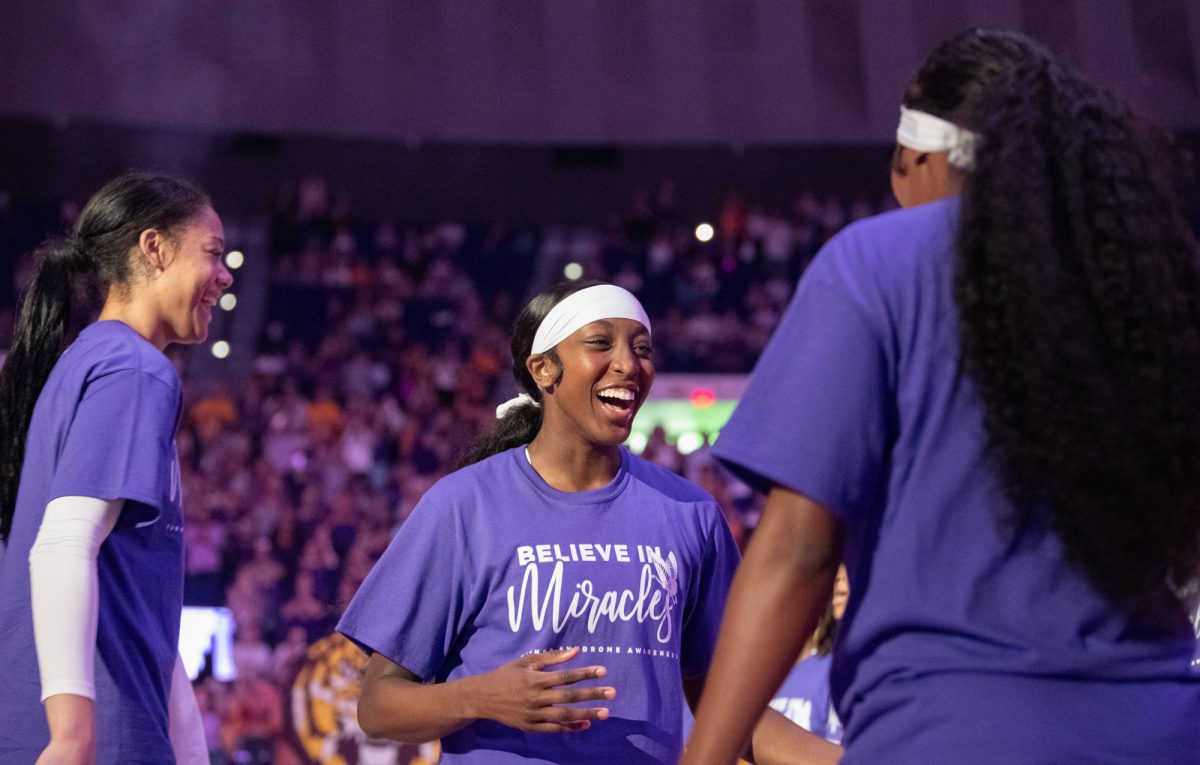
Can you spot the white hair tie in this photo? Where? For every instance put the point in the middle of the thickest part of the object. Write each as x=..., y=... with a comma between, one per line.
x=522, y=400
x=604, y=301
x=922, y=131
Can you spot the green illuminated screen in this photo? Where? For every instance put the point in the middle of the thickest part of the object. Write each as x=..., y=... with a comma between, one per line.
x=686, y=425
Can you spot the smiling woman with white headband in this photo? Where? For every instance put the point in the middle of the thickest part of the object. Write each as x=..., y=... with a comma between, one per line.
x=558, y=583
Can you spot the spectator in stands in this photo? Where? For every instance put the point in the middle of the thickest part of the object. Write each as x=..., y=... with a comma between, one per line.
x=204, y=547
x=305, y=610
x=253, y=718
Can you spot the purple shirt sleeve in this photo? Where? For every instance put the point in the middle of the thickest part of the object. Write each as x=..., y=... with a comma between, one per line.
x=120, y=445
x=706, y=602
x=816, y=415
x=410, y=608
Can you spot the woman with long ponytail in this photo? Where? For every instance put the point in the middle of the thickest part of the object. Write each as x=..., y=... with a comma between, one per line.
x=38, y=339
x=91, y=575
x=555, y=584
x=988, y=405
x=518, y=420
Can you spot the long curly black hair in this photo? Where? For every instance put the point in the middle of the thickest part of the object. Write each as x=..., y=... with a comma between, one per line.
x=1077, y=282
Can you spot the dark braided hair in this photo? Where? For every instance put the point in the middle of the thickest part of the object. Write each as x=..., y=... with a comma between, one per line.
x=1077, y=283
x=71, y=273
x=521, y=423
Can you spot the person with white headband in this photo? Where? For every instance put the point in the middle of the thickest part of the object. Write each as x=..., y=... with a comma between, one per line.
x=931, y=157
x=987, y=404
x=556, y=584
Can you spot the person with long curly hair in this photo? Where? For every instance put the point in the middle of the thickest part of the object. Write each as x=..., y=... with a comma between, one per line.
x=91, y=524
x=988, y=405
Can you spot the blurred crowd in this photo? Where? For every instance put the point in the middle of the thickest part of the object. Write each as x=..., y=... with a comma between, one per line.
x=383, y=354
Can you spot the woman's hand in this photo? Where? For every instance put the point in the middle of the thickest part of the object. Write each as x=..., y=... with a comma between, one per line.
x=522, y=694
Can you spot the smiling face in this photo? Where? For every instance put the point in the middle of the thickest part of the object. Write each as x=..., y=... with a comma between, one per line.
x=191, y=279
x=606, y=374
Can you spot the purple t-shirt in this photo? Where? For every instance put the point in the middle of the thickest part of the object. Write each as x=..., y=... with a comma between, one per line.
x=104, y=426
x=858, y=403
x=494, y=564
x=804, y=698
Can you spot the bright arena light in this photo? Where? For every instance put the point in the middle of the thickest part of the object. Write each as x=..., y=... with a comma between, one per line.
x=220, y=349
x=229, y=301
x=689, y=442
x=234, y=259
x=703, y=398
x=704, y=232
x=637, y=442
x=573, y=271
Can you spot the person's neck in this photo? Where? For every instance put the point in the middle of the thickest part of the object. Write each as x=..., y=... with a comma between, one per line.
x=138, y=316
x=570, y=464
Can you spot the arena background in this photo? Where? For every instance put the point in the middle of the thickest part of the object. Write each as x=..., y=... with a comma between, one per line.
x=399, y=176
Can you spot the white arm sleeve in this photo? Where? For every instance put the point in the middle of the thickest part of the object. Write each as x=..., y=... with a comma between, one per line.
x=186, y=728
x=65, y=591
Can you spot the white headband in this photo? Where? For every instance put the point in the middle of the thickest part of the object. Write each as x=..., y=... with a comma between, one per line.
x=604, y=301
x=924, y=132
